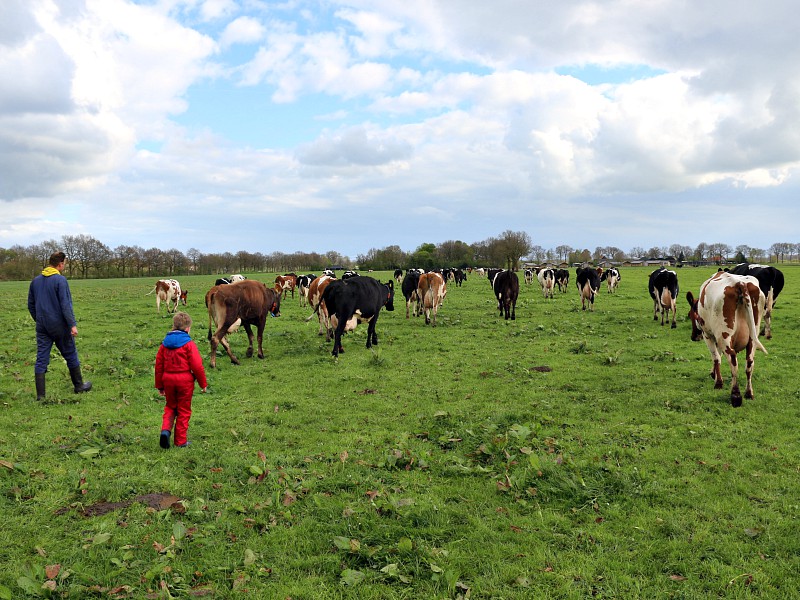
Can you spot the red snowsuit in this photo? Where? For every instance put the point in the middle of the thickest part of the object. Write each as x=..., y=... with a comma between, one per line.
x=178, y=364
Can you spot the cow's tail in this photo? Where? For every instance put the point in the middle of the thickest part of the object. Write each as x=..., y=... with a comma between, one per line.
x=316, y=312
x=744, y=297
x=151, y=291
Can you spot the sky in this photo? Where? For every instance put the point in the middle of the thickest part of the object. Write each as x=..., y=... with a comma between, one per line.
x=301, y=126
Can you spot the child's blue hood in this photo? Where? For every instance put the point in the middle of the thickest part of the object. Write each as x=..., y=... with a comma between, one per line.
x=176, y=339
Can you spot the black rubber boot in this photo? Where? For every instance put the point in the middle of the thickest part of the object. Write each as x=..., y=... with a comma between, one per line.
x=40, y=387
x=77, y=381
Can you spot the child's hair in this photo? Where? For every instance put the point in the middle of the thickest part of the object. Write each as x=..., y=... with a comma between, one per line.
x=181, y=321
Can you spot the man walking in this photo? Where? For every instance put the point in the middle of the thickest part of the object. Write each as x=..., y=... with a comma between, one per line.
x=50, y=305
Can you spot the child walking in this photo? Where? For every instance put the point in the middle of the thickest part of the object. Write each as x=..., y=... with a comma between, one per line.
x=178, y=364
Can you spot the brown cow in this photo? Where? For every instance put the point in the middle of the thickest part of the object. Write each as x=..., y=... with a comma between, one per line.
x=247, y=301
x=431, y=290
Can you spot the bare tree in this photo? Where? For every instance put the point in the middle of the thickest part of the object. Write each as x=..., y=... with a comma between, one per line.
x=193, y=255
x=564, y=251
x=124, y=257
x=537, y=254
x=513, y=245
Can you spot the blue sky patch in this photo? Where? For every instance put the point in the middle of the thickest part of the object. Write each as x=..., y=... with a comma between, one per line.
x=594, y=74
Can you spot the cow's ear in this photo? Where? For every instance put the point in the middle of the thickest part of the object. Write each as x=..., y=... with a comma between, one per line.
x=690, y=298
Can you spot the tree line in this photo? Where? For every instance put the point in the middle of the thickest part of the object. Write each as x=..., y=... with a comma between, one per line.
x=90, y=258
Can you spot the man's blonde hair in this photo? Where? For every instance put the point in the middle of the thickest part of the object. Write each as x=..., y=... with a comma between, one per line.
x=182, y=321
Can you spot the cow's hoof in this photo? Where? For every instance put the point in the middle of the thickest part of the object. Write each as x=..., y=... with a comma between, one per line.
x=736, y=400
x=717, y=385
x=234, y=361
x=748, y=394
x=249, y=353
x=674, y=326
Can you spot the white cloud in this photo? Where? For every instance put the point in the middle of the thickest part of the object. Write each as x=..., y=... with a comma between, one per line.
x=216, y=9
x=92, y=82
x=244, y=30
x=450, y=107
x=355, y=146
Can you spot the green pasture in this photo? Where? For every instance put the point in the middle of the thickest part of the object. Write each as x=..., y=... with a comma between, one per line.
x=567, y=454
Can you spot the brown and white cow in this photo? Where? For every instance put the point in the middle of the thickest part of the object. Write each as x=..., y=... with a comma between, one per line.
x=168, y=291
x=431, y=290
x=727, y=315
x=315, y=291
x=249, y=301
x=286, y=283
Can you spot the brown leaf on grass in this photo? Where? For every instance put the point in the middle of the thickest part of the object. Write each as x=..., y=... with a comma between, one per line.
x=52, y=571
x=542, y=369
x=516, y=529
x=7, y=465
x=372, y=494
x=677, y=578
x=261, y=456
x=288, y=498
x=343, y=456
x=366, y=391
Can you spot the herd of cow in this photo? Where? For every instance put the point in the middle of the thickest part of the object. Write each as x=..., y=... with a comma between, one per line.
x=728, y=313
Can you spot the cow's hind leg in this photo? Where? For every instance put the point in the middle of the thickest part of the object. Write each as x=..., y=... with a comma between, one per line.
x=736, y=394
x=249, y=331
x=750, y=361
x=260, y=335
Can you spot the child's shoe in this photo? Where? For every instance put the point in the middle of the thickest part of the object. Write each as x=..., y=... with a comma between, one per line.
x=164, y=441
x=182, y=445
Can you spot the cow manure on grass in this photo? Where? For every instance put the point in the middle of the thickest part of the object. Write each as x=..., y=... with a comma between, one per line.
x=542, y=369
x=154, y=501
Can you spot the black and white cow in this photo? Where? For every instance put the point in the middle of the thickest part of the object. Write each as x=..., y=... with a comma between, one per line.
x=303, y=283
x=409, y=288
x=348, y=274
x=562, y=279
x=398, y=275
x=547, y=280
x=588, y=281
x=356, y=300
x=506, y=289
x=529, y=274
x=770, y=281
x=663, y=287
x=611, y=277
x=459, y=277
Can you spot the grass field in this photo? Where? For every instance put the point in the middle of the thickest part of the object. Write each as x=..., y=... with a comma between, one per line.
x=566, y=454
